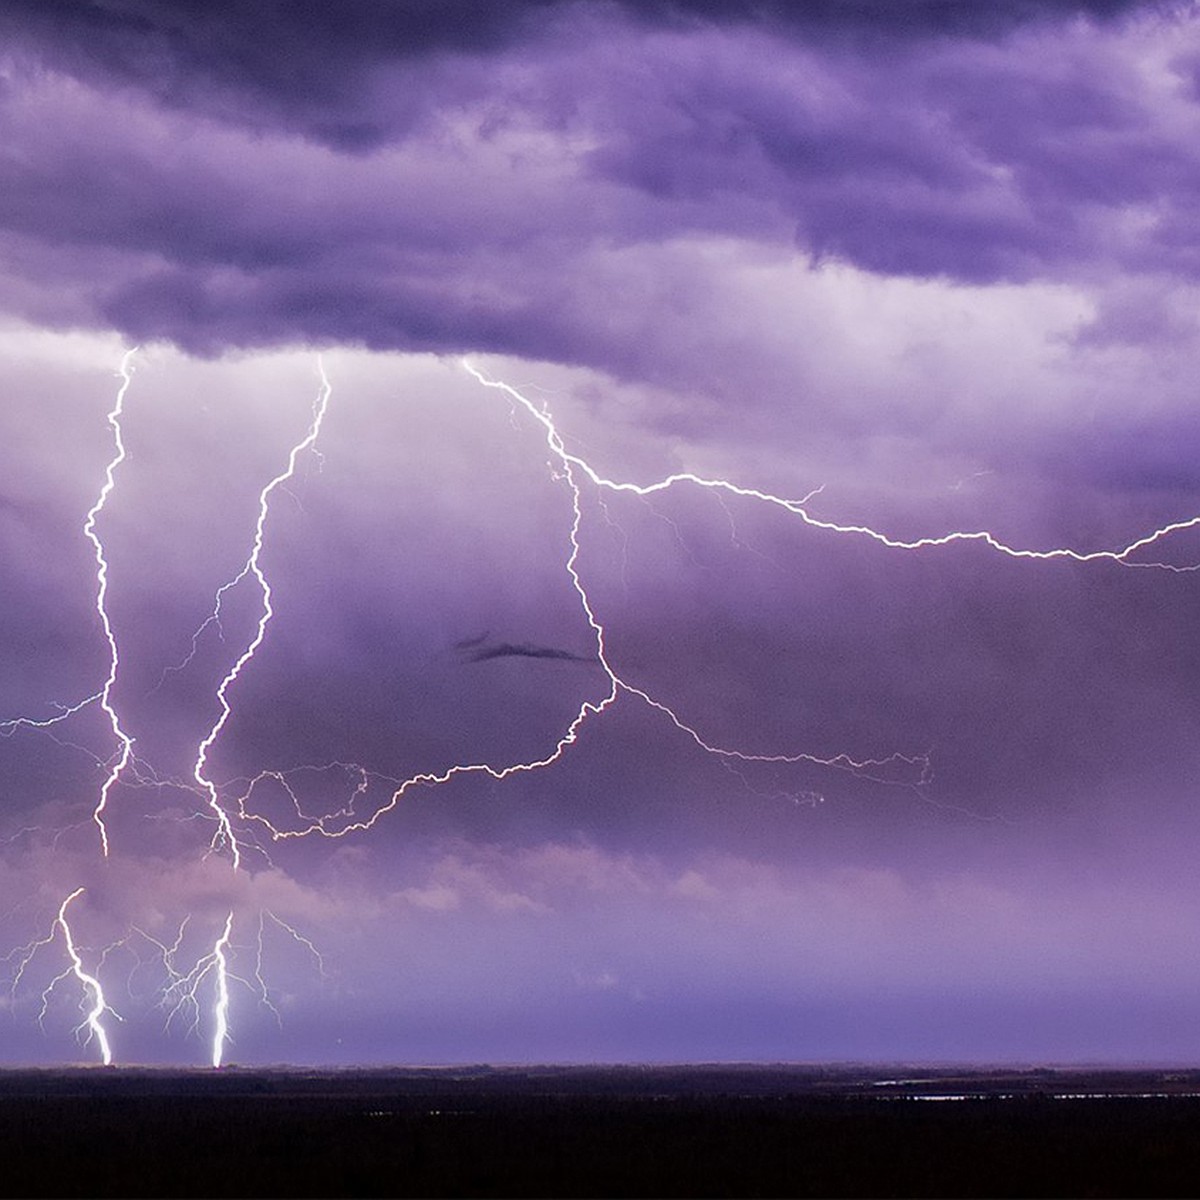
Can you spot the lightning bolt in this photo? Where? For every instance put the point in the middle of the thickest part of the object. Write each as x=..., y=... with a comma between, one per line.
x=587, y=709
x=90, y=983
x=121, y=760
x=93, y=993
x=221, y=1007
x=184, y=991
x=182, y=988
x=225, y=836
x=9, y=726
x=575, y=472
x=799, y=508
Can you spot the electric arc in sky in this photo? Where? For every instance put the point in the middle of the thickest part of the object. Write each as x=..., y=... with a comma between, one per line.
x=239, y=827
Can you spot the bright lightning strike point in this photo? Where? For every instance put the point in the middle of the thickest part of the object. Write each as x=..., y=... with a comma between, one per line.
x=121, y=760
x=90, y=983
x=221, y=1008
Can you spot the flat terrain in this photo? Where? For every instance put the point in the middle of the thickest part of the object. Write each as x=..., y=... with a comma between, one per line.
x=596, y=1131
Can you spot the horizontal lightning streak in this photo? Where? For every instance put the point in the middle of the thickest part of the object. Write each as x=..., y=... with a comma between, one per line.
x=65, y=711
x=797, y=507
x=569, y=465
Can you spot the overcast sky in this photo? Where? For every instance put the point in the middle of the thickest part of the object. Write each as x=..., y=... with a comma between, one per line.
x=913, y=267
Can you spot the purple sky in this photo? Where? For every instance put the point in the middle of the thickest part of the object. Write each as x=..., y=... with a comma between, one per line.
x=938, y=259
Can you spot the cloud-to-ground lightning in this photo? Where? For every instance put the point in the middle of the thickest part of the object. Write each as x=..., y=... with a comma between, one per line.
x=120, y=760
x=182, y=986
x=225, y=836
x=90, y=983
x=94, y=1004
x=221, y=1005
x=234, y=808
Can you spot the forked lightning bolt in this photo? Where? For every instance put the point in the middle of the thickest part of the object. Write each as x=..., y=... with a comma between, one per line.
x=183, y=990
x=225, y=834
x=93, y=994
x=89, y=528
x=125, y=372
x=574, y=471
x=182, y=996
x=798, y=507
x=90, y=983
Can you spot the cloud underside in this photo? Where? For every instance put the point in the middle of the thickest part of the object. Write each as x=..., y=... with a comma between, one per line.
x=545, y=180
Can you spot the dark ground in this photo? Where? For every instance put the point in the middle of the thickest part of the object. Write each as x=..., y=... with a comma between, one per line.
x=624, y=1131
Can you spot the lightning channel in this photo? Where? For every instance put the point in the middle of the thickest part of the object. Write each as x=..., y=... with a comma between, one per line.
x=221, y=1007
x=578, y=478
x=799, y=507
x=576, y=472
x=125, y=742
x=90, y=983
x=568, y=470
x=225, y=836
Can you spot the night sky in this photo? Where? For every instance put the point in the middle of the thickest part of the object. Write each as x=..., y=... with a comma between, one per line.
x=913, y=267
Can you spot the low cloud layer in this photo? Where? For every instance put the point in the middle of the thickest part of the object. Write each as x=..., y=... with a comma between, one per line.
x=540, y=181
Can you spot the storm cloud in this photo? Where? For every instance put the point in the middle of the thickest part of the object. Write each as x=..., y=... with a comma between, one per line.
x=508, y=193
x=887, y=270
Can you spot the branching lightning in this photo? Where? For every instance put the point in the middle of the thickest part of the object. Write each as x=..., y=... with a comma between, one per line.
x=93, y=1003
x=121, y=760
x=182, y=987
x=206, y=986
x=798, y=507
x=574, y=471
x=90, y=983
x=225, y=836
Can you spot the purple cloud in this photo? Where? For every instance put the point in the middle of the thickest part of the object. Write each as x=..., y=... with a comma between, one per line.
x=928, y=265
x=903, y=160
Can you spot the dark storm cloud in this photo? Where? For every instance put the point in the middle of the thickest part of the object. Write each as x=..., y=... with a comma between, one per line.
x=279, y=45
x=301, y=63
x=551, y=180
x=304, y=64
x=642, y=189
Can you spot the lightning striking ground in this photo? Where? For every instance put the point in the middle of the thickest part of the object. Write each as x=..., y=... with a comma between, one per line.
x=221, y=1006
x=182, y=987
x=236, y=816
x=94, y=1004
x=225, y=836
x=90, y=983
